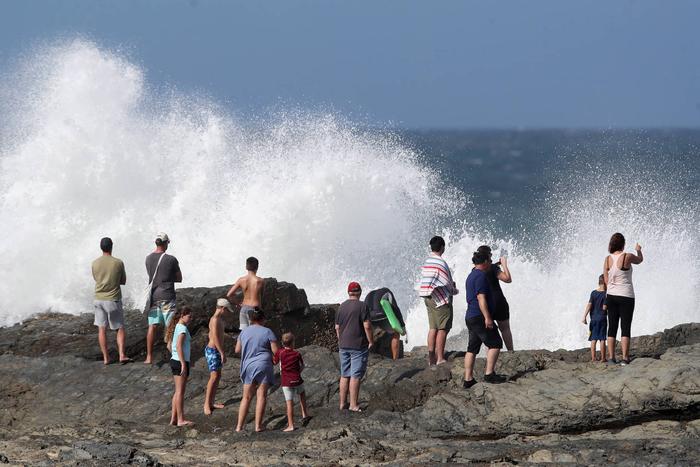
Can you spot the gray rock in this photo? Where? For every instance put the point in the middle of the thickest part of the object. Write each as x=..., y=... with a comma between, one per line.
x=286, y=308
x=65, y=407
x=51, y=334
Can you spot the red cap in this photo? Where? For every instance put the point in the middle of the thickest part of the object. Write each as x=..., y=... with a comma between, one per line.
x=354, y=287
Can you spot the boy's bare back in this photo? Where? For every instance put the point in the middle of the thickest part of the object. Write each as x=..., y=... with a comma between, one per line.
x=252, y=288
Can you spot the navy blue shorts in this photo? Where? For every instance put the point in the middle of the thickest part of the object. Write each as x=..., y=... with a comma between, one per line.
x=599, y=329
x=480, y=334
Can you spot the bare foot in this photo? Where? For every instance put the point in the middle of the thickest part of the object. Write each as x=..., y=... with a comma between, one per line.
x=147, y=361
x=441, y=362
x=207, y=411
x=106, y=362
x=218, y=406
x=355, y=409
x=173, y=422
x=289, y=428
x=185, y=423
x=260, y=429
x=239, y=429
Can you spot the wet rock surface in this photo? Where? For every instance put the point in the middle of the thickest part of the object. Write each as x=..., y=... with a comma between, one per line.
x=61, y=405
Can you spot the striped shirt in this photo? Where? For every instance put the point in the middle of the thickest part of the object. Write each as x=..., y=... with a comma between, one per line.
x=436, y=280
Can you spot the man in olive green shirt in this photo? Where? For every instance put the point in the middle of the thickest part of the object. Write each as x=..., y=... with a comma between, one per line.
x=109, y=275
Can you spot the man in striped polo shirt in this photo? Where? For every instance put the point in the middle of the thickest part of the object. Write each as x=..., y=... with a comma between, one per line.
x=437, y=288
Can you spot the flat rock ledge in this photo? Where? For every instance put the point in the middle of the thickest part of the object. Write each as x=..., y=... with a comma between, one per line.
x=62, y=407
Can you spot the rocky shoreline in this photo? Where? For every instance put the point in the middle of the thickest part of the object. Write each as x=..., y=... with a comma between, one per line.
x=62, y=406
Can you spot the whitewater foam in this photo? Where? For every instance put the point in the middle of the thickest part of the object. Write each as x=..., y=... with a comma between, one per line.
x=89, y=150
x=94, y=154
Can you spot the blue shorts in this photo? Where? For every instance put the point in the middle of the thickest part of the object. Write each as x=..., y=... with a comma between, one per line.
x=258, y=372
x=213, y=358
x=160, y=312
x=599, y=330
x=353, y=363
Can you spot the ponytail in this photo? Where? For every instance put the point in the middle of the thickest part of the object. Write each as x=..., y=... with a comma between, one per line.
x=170, y=329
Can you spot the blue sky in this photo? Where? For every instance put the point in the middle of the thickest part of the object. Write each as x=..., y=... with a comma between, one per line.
x=445, y=64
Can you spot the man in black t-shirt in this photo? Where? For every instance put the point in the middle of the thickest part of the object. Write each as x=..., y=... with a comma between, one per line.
x=166, y=270
x=354, y=331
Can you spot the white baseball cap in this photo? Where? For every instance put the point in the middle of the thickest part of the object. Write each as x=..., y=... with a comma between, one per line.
x=222, y=302
x=162, y=236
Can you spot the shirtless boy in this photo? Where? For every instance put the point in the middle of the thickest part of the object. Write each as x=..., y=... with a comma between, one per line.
x=215, y=355
x=251, y=285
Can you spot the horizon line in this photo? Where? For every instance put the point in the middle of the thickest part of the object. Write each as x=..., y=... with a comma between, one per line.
x=537, y=128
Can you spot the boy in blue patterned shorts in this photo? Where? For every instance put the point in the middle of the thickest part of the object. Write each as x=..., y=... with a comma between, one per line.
x=214, y=353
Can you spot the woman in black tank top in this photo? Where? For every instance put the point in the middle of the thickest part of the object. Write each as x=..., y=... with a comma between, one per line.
x=496, y=274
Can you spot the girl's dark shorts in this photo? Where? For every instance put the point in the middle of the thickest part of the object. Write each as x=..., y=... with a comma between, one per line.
x=176, y=367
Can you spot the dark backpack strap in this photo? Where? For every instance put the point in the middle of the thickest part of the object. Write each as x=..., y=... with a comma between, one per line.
x=624, y=257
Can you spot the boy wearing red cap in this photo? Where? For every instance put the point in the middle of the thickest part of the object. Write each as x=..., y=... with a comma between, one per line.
x=354, y=331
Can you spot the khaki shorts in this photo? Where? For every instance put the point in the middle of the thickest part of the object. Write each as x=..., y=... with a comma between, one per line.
x=439, y=317
x=384, y=325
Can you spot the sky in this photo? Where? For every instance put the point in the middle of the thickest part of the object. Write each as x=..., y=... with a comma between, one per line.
x=401, y=63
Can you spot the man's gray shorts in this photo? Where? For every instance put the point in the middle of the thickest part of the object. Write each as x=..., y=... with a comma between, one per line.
x=244, y=316
x=110, y=313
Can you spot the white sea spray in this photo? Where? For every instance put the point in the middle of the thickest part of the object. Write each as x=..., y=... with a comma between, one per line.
x=89, y=149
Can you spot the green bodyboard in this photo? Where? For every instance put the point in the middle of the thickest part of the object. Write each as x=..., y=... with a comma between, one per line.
x=391, y=316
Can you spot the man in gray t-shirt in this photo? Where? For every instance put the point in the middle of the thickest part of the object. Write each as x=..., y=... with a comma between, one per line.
x=354, y=331
x=167, y=275
x=163, y=291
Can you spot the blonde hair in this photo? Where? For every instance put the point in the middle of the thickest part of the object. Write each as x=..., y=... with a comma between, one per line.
x=287, y=339
x=170, y=330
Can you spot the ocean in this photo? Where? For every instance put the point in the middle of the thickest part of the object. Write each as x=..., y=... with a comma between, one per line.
x=90, y=148
x=512, y=176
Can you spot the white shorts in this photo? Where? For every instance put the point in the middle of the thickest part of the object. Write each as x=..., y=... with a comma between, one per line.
x=290, y=391
x=109, y=312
